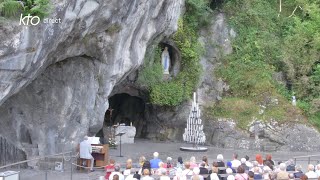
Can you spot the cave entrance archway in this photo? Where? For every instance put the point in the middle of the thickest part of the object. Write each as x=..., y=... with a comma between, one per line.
x=126, y=109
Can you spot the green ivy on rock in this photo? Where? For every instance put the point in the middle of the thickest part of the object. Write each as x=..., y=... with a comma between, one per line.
x=180, y=88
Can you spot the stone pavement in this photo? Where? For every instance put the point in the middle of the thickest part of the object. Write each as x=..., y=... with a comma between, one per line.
x=165, y=149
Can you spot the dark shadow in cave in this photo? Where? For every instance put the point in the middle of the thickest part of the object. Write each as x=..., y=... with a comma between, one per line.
x=126, y=109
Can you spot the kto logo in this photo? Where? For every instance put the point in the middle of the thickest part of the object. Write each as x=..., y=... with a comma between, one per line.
x=33, y=20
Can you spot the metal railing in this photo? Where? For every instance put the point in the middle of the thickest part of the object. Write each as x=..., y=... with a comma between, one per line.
x=307, y=158
x=45, y=163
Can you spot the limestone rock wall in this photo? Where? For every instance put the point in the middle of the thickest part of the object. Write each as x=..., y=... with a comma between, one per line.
x=100, y=41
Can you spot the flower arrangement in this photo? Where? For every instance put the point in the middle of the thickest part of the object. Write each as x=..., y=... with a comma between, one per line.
x=112, y=143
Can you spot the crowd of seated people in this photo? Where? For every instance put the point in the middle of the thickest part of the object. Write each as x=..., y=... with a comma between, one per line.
x=243, y=169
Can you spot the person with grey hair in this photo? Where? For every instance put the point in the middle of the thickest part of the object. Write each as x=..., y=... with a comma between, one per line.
x=243, y=163
x=229, y=174
x=282, y=174
x=163, y=175
x=155, y=161
x=86, y=150
x=298, y=173
x=220, y=160
x=290, y=165
x=169, y=163
x=220, y=163
x=311, y=173
x=266, y=172
x=116, y=172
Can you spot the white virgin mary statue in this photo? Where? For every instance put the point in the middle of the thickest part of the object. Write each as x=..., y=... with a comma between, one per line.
x=165, y=60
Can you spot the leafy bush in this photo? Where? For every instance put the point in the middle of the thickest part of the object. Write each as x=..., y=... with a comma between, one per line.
x=167, y=94
x=39, y=8
x=10, y=8
x=152, y=72
x=269, y=41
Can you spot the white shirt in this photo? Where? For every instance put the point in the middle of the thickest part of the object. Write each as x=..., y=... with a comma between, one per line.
x=235, y=163
x=311, y=174
x=249, y=164
x=121, y=176
x=146, y=178
x=187, y=172
x=164, y=178
x=318, y=172
x=85, y=150
x=127, y=172
x=214, y=176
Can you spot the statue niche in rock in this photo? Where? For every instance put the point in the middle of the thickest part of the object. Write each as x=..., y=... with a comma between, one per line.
x=165, y=60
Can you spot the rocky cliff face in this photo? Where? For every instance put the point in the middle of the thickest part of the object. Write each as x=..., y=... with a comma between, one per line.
x=222, y=132
x=77, y=63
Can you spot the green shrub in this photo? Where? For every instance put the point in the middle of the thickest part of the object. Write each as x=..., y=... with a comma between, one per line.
x=167, y=94
x=269, y=41
x=10, y=8
x=152, y=71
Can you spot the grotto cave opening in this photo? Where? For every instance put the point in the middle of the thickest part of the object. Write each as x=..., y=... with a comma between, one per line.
x=126, y=110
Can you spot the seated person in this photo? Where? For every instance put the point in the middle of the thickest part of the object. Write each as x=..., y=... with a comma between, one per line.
x=160, y=169
x=214, y=174
x=196, y=174
x=128, y=168
x=193, y=162
x=109, y=168
x=155, y=161
x=179, y=175
x=257, y=174
x=229, y=165
x=290, y=165
x=116, y=172
x=169, y=163
x=298, y=173
x=203, y=169
x=86, y=150
x=311, y=173
x=187, y=171
x=180, y=163
x=205, y=159
x=163, y=175
x=146, y=175
x=241, y=175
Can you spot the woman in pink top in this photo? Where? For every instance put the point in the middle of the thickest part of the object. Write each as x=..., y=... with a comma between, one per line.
x=240, y=174
x=193, y=163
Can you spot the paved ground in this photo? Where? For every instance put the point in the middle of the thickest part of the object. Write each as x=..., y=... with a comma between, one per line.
x=165, y=149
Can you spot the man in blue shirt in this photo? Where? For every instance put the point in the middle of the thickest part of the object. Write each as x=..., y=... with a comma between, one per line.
x=155, y=161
